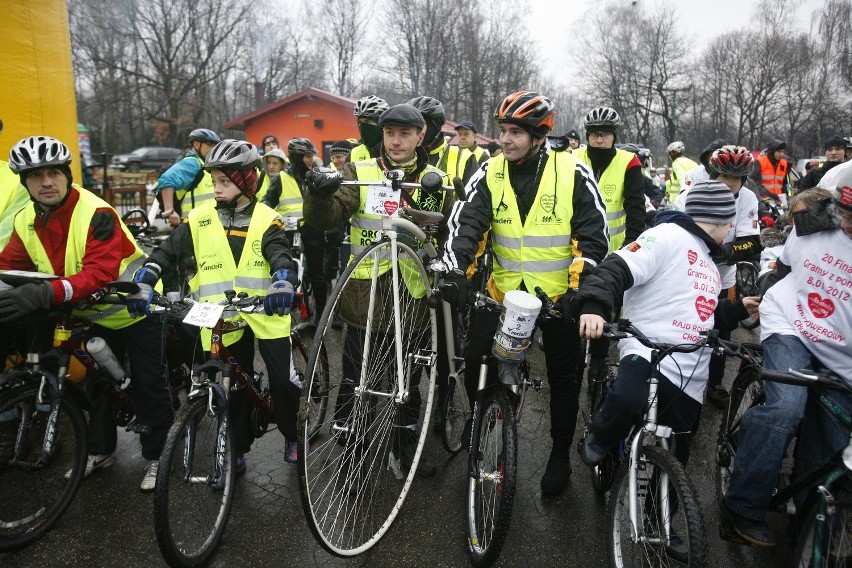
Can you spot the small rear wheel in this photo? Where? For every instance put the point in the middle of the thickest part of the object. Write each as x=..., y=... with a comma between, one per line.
x=492, y=473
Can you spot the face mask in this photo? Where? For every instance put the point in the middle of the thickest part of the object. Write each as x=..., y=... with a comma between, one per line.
x=371, y=134
x=814, y=219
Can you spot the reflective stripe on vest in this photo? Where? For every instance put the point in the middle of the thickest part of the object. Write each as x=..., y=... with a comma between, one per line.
x=363, y=228
x=680, y=167
x=217, y=272
x=611, y=187
x=538, y=253
x=202, y=193
x=112, y=316
x=290, y=201
x=771, y=177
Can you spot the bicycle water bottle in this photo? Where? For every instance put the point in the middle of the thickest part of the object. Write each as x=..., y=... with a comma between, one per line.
x=103, y=355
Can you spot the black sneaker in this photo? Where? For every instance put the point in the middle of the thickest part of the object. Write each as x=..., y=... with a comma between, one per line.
x=556, y=475
x=757, y=533
x=718, y=396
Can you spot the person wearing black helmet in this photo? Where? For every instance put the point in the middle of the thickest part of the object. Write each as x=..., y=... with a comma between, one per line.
x=368, y=109
x=548, y=228
x=835, y=154
x=69, y=232
x=700, y=172
x=447, y=158
x=239, y=244
x=186, y=185
x=328, y=204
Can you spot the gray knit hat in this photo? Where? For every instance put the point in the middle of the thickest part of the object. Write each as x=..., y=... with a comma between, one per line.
x=711, y=202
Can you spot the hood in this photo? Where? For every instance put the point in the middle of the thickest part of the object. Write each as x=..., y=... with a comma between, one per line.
x=775, y=145
x=709, y=149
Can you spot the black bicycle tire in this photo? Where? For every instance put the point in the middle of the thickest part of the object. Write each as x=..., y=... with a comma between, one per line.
x=306, y=332
x=695, y=536
x=745, y=392
x=48, y=520
x=324, y=324
x=747, y=286
x=162, y=523
x=802, y=557
x=503, y=518
x=451, y=437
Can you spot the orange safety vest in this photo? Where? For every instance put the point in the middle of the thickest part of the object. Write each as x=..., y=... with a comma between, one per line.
x=771, y=177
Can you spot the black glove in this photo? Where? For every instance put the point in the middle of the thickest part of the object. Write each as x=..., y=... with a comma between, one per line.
x=455, y=288
x=323, y=181
x=723, y=254
x=24, y=300
x=567, y=306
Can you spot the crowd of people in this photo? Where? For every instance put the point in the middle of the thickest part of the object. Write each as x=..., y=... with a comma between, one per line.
x=591, y=224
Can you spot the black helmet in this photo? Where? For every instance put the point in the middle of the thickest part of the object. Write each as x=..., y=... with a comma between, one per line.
x=301, y=146
x=204, y=135
x=404, y=114
x=429, y=107
x=629, y=147
x=370, y=107
x=232, y=154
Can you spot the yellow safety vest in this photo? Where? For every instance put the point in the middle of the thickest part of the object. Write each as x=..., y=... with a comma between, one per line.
x=478, y=153
x=112, y=316
x=202, y=193
x=217, y=272
x=611, y=187
x=360, y=153
x=364, y=227
x=264, y=185
x=452, y=160
x=290, y=201
x=13, y=198
x=680, y=167
x=539, y=253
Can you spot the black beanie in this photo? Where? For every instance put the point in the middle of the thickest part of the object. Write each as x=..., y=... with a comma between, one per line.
x=340, y=147
x=835, y=141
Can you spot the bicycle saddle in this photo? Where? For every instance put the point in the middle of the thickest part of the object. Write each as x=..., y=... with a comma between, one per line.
x=423, y=218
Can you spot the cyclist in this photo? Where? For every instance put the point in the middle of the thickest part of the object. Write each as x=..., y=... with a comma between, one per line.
x=835, y=154
x=620, y=181
x=680, y=165
x=69, y=232
x=770, y=174
x=701, y=171
x=466, y=131
x=447, y=158
x=573, y=139
x=13, y=197
x=338, y=152
x=270, y=142
x=731, y=165
x=675, y=255
x=238, y=244
x=548, y=229
x=328, y=204
x=186, y=181
x=802, y=326
x=368, y=110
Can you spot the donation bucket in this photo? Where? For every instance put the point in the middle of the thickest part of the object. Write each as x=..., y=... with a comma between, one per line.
x=517, y=322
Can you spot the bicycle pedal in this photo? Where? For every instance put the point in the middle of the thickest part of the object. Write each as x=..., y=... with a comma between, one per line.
x=133, y=426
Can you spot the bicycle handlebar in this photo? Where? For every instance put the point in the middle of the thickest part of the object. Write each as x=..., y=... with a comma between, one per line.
x=624, y=329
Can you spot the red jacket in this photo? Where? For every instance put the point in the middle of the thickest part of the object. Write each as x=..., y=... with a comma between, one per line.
x=106, y=246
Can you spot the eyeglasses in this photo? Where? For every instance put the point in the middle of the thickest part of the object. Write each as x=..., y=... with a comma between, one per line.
x=599, y=134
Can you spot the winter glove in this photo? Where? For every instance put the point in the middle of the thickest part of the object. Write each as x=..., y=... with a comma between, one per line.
x=139, y=304
x=279, y=296
x=455, y=288
x=24, y=300
x=567, y=307
x=323, y=182
x=723, y=254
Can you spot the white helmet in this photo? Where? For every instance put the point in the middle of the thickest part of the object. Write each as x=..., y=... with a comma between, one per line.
x=232, y=154
x=38, y=152
x=370, y=107
x=676, y=146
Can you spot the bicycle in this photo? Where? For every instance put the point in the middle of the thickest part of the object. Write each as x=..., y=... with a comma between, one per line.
x=824, y=522
x=194, y=490
x=357, y=466
x=493, y=443
x=653, y=510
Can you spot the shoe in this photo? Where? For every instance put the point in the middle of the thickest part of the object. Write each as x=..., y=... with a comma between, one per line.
x=718, y=396
x=94, y=461
x=757, y=533
x=556, y=475
x=424, y=468
x=240, y=469
x=291, y=453
x=590, y=451
x=150, y=479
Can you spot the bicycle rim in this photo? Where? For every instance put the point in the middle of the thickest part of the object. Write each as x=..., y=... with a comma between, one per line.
x=491, y=479
x=679, y=514
x=192, y=499
x=746, y=391
x=34, y=497
x=835, y=550
x=353, y=479
x=303, y=339
x=456, y=411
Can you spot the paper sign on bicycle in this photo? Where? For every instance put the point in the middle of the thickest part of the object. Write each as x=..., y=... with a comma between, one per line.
x=204, y=314
x=382, y=201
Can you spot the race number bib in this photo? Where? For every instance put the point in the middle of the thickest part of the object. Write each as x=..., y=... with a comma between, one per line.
x=382, y=201
x=204, y=314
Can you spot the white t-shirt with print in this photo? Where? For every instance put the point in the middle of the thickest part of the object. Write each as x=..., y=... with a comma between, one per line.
x=814, y=301
x=674, y=295
x=745, y=225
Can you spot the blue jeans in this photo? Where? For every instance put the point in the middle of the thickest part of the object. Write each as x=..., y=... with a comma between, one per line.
x=766, y=431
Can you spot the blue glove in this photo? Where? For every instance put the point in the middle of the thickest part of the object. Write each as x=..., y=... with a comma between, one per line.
x=279, y=298
x=139, y=304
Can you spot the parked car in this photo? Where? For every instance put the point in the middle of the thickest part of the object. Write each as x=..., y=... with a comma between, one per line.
x=146, y=158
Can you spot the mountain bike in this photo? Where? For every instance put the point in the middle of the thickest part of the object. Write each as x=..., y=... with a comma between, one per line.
x=493, y=444
x=356, y=465
x=824, y=521
x=194, y=490
x=653, y=511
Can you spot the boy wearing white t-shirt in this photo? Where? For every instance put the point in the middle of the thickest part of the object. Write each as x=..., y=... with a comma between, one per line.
x=806, y=323
x=676, y=255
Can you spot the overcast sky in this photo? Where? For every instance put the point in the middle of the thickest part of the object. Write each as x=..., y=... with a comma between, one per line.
x=556, y=23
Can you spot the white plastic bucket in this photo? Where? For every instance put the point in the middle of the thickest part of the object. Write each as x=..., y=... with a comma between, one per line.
x=517, y=323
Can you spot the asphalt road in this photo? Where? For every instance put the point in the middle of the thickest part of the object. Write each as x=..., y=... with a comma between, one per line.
x=111, y=523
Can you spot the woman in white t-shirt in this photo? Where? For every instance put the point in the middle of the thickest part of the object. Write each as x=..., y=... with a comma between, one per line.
x=676, y=255
x=806, y=322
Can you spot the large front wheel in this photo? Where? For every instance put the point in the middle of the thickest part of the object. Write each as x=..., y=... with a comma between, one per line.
x=670, y=528
x=493, y=467
x=357, y=461
x=195, y=485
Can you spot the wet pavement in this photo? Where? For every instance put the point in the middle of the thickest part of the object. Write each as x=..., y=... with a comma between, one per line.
x=111, y=522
